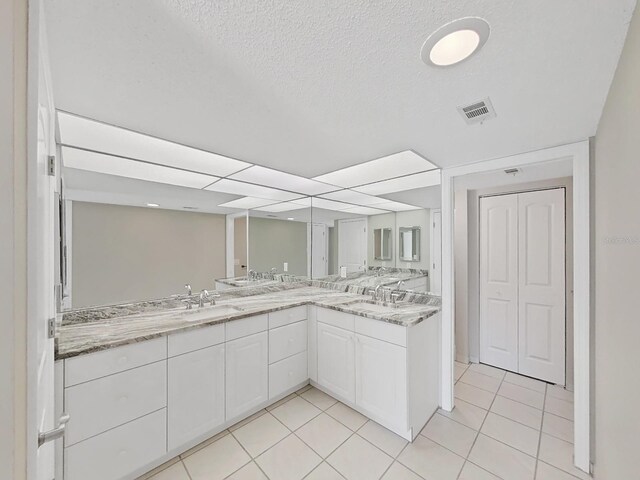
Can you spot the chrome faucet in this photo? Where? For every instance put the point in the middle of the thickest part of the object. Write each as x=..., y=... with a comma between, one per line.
x=375, y=292
x=252, y=274
x=382, y=270
x=188, y=287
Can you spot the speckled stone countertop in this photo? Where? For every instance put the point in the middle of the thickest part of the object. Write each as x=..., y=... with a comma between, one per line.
x=95, y=329
x=275, y=278
x=361, y=282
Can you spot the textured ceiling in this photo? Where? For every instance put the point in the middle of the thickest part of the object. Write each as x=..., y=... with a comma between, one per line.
x=312, y=86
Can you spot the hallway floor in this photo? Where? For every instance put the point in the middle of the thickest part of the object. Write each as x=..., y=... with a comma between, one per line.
x=505, y=426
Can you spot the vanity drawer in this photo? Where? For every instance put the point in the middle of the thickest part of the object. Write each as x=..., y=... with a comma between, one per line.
x=100, y=364
x=287, y=373
x=108, y=402
x=287, y=316
x=385, y=331
x=336, y=318
x=288, y=340
x=120, y=452
x=246, y=326
x=195, y=339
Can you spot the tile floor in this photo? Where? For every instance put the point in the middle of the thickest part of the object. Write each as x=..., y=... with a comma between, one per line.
x=504, y=426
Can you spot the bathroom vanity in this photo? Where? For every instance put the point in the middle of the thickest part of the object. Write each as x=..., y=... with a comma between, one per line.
x=144, y=386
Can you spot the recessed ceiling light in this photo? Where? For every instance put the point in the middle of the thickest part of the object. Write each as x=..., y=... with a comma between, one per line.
x=152, y=205
x=290, y=218
x=454, y=42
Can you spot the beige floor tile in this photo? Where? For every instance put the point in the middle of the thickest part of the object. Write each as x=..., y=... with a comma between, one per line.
x=430, y=460
x=522, y=395
x=502, y=460
x=466, y=413
x=295, y=413
x=512, y=433
x=474, y=472
x=216, y=461
x=560, y=393
x=487, y=370
x=318, y=398
x=547, y=472
x=357, y=459
x=458, y=370
x=347, y=416
x=281, y=402
x=174, y=472
x=324, y=434
x=250, y=471
x=384, y=439
x=397, y=471
x=485, y=382
x=526, y=382
x=476, y=396
x=261, y=434
x=559, y=454
x=558, y=427
x=207, y=442
x=559, y=407
x=324, y=471
x=251, y=418
x=448, y=433
x=519, y=412
x=289, y=459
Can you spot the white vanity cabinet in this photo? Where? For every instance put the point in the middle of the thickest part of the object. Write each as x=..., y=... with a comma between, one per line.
x=388, y=372
x=196, y=384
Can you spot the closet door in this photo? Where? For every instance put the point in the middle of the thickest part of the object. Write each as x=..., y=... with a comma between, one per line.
x=541, y=302
x=499, y=281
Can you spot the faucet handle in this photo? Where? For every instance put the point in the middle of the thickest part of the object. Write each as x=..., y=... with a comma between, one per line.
x=188, y=287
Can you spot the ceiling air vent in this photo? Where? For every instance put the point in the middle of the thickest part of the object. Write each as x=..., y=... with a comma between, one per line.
x=477, y=112
x=511, y=171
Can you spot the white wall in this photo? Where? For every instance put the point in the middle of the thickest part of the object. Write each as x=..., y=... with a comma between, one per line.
x=123, y=253
x=617, y=270
x=13, y=225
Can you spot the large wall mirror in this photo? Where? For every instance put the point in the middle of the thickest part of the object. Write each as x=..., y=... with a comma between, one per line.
x=136, y=224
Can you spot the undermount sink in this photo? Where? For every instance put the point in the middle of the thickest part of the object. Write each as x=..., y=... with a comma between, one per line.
x=373, y=307
x=209, y=312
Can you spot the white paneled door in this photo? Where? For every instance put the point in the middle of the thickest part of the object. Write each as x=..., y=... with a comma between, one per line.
x=499, y=281
x=352, y=244
x=522, y=283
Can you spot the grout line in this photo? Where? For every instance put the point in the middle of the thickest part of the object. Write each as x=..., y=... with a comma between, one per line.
x=535, y=471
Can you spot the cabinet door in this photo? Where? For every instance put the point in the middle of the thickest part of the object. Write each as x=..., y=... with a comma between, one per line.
x=336, y=363
x=196, y=394
x=247, y=373
x=381, y=380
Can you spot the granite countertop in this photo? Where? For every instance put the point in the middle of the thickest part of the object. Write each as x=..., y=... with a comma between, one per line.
x=91, y=330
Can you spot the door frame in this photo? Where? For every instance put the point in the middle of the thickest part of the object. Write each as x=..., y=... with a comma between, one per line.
x=432, y=252
x=578, y=153
x=230, y=242
x=311, y=249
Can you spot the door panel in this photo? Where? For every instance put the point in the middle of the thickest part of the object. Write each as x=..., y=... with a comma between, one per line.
x=196, y=394
x=541, y=306
x=381, y=381
x=499, y=281
x=247, y=377
x=336, y=361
